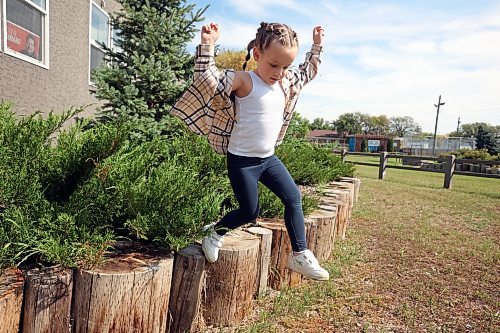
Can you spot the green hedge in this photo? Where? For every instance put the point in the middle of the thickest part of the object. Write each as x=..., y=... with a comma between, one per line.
x=67, y=194
x=37, y=173
x=480, y=154
x=312, y=164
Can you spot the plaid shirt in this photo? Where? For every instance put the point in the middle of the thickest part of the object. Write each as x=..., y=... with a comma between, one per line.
x=207, y=105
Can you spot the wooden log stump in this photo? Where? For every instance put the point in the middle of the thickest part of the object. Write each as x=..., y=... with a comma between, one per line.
x=325, y=222
x=128, y=293
x=11, y=300
x=279, y=274
x=342, y=219
x=357, y=184
x=266, y=237
x=344, y=186
x=188, y=280
x=47, y=300
x=341, y=194
x=231, y=280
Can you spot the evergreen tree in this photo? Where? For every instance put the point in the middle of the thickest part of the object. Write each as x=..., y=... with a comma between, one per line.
x=390, y=145
x=364, y=145
x=149, y=68
x=484, y=140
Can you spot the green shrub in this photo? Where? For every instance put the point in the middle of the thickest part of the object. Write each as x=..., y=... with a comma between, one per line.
x=481, y=154
x=37, y=171
x=271, y=206
x=163, y=190
x=390, y=145
x=311, y=164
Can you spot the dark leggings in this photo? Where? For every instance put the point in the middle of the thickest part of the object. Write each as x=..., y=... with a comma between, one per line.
x=244, y=174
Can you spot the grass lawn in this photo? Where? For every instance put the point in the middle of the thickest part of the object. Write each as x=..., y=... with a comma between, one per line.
x=417, y=258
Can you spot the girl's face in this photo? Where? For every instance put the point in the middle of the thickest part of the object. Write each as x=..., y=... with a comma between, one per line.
x=273, y=63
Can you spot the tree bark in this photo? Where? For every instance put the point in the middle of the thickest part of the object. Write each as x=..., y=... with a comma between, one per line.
x=266, y=237
x=11, y=299
x=345, y=186
x=357, y=185
x=341, y=194
x=341, y=200
x=231, y=280
x=185, y=296
x=279, y=274
x=129, y=293
x=47, y=300
x=325, y=222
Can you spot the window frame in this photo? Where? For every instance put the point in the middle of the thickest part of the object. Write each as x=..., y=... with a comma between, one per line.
x=45, y=63
x=92, y=42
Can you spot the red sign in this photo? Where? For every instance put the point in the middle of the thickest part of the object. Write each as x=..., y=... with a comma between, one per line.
x=22, y=40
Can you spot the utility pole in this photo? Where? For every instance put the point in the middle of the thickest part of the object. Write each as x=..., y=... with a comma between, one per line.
x=458, y=125
x=436, y=127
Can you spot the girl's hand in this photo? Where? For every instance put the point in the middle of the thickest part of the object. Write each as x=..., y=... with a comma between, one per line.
x=318, y=34
x=209, y=33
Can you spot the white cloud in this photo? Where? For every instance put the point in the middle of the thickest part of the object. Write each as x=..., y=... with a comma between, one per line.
x=389, y=59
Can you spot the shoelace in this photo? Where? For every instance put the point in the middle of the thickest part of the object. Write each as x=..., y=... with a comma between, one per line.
x=216, y=239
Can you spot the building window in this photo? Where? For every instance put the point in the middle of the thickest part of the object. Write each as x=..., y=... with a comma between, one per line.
x=26, y=26
x=116, y=38
x=99, y=33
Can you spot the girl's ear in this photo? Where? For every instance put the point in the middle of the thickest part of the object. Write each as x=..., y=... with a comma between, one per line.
x=256, y=54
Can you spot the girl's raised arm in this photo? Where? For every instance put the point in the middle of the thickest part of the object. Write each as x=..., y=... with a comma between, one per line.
x=210, y=33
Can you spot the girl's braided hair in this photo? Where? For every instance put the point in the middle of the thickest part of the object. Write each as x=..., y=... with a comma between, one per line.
x=269, y=33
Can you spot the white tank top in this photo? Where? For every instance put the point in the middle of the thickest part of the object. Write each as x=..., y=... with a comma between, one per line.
x=259, y=118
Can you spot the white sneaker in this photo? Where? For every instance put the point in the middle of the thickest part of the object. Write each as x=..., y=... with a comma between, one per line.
x=306, y=264
x=211, y=245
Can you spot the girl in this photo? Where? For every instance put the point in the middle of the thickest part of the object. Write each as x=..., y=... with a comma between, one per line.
x=245, y=114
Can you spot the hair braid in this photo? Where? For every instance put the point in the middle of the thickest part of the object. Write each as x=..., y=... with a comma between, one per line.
x=249, y=48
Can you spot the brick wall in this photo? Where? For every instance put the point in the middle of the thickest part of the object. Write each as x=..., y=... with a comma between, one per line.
x=65, y=83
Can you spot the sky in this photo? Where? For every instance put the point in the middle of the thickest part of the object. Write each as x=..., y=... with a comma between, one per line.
x=385, y=57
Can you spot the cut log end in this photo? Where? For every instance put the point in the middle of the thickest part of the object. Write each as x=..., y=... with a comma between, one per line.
x=130, y=292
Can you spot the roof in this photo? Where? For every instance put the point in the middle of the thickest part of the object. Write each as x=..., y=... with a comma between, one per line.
x=324, y=134
x=369, y=136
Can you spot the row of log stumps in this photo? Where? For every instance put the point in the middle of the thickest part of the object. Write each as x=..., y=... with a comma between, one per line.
x=142, y=289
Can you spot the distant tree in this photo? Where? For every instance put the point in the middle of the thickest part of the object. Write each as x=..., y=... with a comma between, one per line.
x=318, y=123
x=379, y=125
x=298, y=128
x=484, y=140
x=390, y=145
x=234, y=60
x=402, y=125
x=364, y=145
x=349, y=123
x=455, y=134
x=471, y=129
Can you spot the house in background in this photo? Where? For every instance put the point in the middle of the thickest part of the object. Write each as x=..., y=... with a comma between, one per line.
x=48, y=51
x=326, y=136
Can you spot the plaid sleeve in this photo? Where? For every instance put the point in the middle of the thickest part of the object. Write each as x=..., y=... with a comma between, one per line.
x=308, y=69
x=196, y=106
